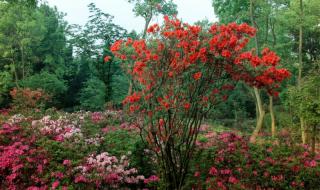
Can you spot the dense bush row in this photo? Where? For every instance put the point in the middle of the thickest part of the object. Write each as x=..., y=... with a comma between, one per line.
x=98, y=150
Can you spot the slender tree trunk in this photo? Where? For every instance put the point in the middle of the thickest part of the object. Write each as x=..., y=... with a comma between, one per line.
x=302, y=122
x=272, y=115
x=260, y=116
x=254, y=24
x=273, y=120
x=148, y=20
x=22, y=61
x=16, y=77
x=314, y=134
x=303, y=131
x=300, y=45
x=261, y=111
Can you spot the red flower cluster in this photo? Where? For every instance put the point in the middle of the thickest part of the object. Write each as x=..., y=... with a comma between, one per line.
x=197, y=76
x=178, y=52
x=107, y=59
x=183, y=65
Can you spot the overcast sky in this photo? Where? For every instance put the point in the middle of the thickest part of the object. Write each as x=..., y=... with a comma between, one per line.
x=77, y=12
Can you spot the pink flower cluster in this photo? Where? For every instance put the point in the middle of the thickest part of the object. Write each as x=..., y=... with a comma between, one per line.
x=20, y=157
x=96, y=140
x=4, y=112
x=16, y=119
x=152, y=179
x=59, y=129
x=236, y=164
x=107, y=171
x=96, y=117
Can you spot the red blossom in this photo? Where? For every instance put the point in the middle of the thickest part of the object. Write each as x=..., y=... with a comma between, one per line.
x=187, y=106
x=197, y=75
x=107, y=59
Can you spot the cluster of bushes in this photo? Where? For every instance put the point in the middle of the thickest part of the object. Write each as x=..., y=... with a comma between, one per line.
x=96, y=150
x=70, y=151
x=231, y=162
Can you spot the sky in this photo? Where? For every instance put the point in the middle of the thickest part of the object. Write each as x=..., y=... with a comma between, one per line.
x=77, y=12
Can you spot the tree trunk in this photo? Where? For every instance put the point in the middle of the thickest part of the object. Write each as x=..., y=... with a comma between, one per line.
x=303, y=131
x=254, y=24
x=313, y=143
x=261, y=112
x=260, y=116
x=302, y=122
x=130, y=87
x=22, y=61
x=273, y=120
x=148, y=20
x=16, y=76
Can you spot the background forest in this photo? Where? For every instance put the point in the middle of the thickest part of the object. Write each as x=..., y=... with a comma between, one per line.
x=37, y=44
x=48, y=65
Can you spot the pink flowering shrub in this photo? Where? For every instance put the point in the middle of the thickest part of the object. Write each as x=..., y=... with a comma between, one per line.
x=4, y=112
x=104, y=170
x=31, y=161
x=233, y=163
x=22, y=163
x=59, y=129
x=96, y=117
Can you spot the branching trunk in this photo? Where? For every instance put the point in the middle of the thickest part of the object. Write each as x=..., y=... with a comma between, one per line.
x=260, y=116
x=148, y=20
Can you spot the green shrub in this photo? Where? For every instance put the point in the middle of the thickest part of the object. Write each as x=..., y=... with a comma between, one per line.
x=50, y=83
x=92, y=96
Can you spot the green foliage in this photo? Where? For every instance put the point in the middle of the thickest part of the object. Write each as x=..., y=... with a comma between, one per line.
x=120, y=85
x=21, y=28
x=147, y=9
x=53, y=53
x=5, y=83
x=119, y=142
x=232, y=10
x=93, y=94
x=306, y=101
x=50, y=83
x=151, y=8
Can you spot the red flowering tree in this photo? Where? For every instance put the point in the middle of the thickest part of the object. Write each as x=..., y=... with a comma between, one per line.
x=181, y=72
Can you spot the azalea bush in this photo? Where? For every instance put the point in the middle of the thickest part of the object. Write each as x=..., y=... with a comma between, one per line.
x=27, y=101
x=180, y=74
x=22, y=163
x=104, y=170
x=54, y=153
x=232, y=163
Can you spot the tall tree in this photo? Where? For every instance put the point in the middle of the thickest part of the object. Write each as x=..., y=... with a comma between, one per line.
x=21, y=28
x=151, y=8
